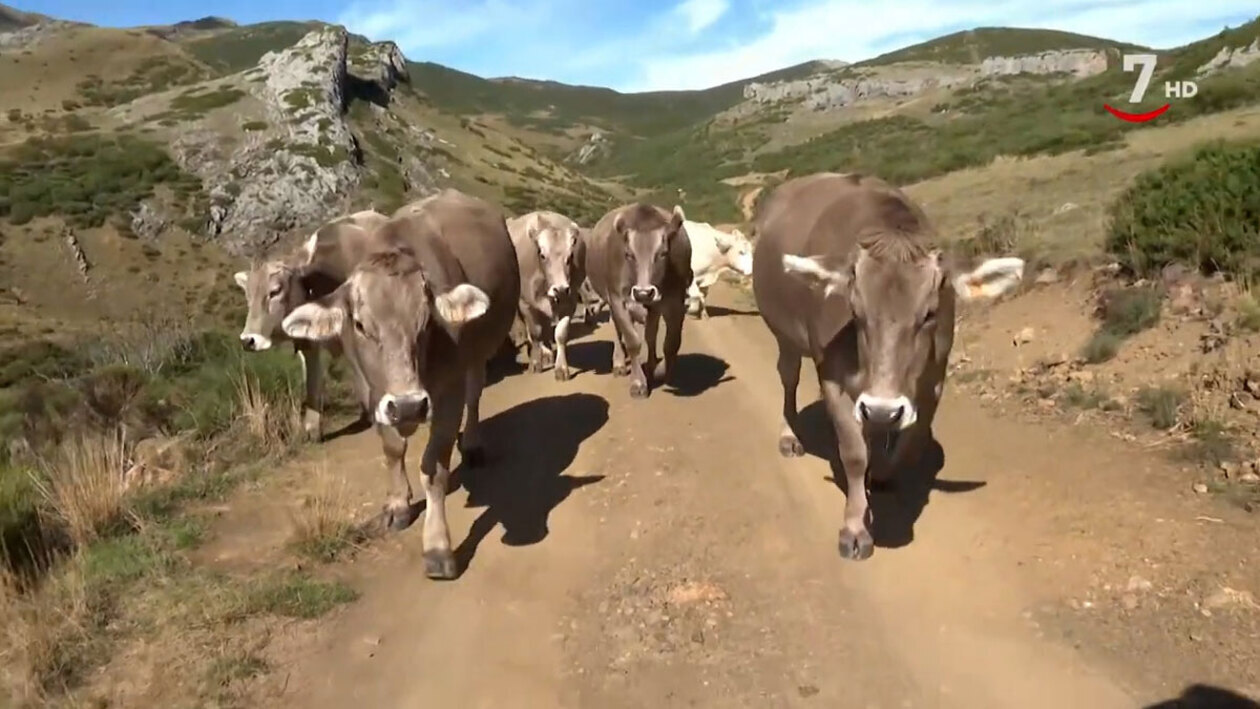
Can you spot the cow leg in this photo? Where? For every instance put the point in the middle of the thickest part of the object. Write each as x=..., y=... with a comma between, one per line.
x=435, y=465
x=562, y=349
x=694, y=300
x=471, y=448
x=674, y=312
x=651, y=330
x=534, y=336
x=312, y=402
x=704, y=307
x=789, y=366
x=398, y=513
x=855, y=541
x=631, y=343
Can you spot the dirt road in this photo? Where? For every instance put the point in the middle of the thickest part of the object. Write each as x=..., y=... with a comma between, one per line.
x=630, y=553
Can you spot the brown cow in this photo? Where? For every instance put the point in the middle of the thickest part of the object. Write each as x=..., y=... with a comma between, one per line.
x=421, y=315
x=639, y=262
x=552, y=259
x=844, y=272
x=274, y=288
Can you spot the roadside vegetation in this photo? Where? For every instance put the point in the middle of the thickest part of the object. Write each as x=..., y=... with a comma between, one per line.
x=110, y=449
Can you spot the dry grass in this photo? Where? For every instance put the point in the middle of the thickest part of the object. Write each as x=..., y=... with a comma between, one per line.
x=274, y=425
x=323, y=523
x=82, y=486
x=36, y=629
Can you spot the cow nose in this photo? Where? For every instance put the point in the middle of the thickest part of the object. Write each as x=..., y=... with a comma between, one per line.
x=878, y=412
x=249, y=343
x=644, y=295
x=412, y=407
x=559, y=290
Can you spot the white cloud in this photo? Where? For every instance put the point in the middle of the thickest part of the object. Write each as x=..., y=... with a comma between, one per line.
x=421, y=24
x=700, y=14
x=858, y=29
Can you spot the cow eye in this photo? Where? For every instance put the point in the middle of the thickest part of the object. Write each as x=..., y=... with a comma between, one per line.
x=929, y=316
x=275, y=290
x=661, y=254
x=629, y=255
x=358, y=326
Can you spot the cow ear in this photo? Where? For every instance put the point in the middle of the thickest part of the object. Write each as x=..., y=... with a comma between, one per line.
x=318, y=320
x=619, y=223
x=241, y=278
x=461, y=304
x=990, y=279
x=817, y=274
x=677, y=218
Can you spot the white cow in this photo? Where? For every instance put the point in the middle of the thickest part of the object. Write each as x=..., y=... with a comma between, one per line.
x=712, y=252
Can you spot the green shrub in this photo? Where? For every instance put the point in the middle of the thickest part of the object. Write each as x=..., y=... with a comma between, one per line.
x=85, y=178
x=1203, y=211
x=1101, y=347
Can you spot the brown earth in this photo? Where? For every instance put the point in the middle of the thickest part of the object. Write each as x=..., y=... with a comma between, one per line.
x=627, y=553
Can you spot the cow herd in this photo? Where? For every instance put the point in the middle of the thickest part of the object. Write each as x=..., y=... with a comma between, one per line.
x=844, y=271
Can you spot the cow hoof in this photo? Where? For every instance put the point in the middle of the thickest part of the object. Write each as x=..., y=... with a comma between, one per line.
x=536, y=367
x=621, y=370
x=790, y=447
x=399, y=518
x=856, y=547
x=638, y=390
x=562, y=374
x=473, y=457
x=439, y=564
x=311, y=435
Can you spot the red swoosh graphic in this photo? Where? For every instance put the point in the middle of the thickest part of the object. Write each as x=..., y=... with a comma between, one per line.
x=1137, y=117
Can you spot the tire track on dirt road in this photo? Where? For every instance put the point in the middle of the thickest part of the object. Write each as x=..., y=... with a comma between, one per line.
x=661, y=553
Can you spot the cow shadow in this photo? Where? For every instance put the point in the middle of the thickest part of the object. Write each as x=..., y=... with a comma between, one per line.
x=897, y=505
x=350, y=428
x=591, y=356
x=1202, y=696
x=505, y=363
x=695, y=373
x=523, y=480
x=720, y=311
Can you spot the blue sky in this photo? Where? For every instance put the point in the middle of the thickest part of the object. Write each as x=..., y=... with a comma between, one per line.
x=644, y=45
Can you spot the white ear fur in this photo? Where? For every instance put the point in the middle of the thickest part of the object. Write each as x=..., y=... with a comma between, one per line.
x=241, y=278
x=461, y=304
x=810, y=269
x=314, y=321
x=990, y=279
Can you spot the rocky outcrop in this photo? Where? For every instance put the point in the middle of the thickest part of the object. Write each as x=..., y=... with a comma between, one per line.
x=1080, y=63
x=31, y=35
x=832, y=90
x=305, y=167
x=825, y=92
x=595, y=148
x=1230, y=58
x=382, y=64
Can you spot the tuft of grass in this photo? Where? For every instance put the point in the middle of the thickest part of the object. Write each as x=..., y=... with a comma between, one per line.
x=1128, y=311
x=82, y=486
x=296, y=595
x=1077, y=395
x=323, y=525
x=1162, y=405
x=1248, y=313
x=1101, y=347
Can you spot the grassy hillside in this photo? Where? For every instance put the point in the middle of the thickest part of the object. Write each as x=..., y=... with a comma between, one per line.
x=973, y=46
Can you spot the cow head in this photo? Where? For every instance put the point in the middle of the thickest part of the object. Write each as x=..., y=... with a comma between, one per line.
x=647, y=235
x=272, y=290
x=893, y=294
x=736, y=249
x=559, y=249
x=389, y=313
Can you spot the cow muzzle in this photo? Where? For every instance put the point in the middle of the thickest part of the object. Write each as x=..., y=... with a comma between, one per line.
x=558, y=291
x=255, y=343
x=645, y=295
x=397, y=409
x=876, y=412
